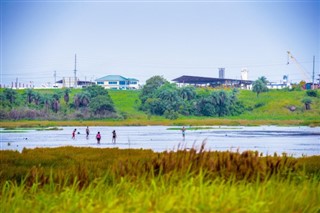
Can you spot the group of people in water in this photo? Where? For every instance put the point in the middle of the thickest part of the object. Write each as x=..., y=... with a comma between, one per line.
x=114, y=135
x=98, y=135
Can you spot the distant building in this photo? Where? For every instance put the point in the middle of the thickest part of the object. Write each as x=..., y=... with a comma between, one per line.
x=68, y=82
x=272, y=85
x=118, y=82
x=212, y=82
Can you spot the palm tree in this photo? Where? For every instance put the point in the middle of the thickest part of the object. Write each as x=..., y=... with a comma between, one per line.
x=259, y=86
x=187, y=93
x=55, y=105
x=263, y=79
x=307, y=102
x=46, y=100
x=30, y=94
x=66, y=95
x=37, y=97
x=81, y=99
x=10, y=94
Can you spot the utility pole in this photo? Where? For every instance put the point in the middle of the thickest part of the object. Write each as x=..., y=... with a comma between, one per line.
x=314, y=58
x=55, y=78
x=75, y=71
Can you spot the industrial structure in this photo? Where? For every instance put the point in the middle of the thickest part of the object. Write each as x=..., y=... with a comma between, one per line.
x=199, y=81
x=71, y=82
x=221, y=72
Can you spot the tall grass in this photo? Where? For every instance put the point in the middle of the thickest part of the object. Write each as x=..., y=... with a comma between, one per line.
x=69, y=179
x=189, y=194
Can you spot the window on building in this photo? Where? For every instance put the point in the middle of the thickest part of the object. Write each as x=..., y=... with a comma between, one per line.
x=112, y=82
x=133, y=82
x=122, y=83
x=100, y=82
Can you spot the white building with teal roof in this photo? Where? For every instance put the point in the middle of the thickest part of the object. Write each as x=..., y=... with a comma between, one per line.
x=118, y=82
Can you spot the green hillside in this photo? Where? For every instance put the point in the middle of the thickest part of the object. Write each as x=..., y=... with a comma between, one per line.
x=270, y=108
x=273, y=105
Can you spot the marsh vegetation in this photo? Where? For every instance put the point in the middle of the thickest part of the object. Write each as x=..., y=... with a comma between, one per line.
x=113, y=180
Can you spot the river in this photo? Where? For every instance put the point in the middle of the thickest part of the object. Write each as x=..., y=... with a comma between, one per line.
x=295, y=141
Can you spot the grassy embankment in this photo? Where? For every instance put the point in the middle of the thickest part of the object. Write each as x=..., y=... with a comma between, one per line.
x=269, y=108
x=73, y=179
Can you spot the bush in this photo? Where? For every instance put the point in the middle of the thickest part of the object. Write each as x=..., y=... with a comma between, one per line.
x=312, y=93
x=172, y=115
x=257, y=105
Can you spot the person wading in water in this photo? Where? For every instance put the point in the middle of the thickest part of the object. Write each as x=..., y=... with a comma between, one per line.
x=74, y=134
x=98, y=137
x=87, y=132
x=183, y=130
x=114, y=136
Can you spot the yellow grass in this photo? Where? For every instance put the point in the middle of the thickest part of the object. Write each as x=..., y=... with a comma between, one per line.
x=165, y=122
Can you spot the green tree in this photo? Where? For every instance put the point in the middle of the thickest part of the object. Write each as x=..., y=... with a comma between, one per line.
x=37, y=98
x=187, y=93
x=66, y=93
x=219, y=103
x=307, y=102
x=96, y=90
x=101, y=105
x=263, y=79
x=29, y=95
x=151, y=86
x=82, y=99
x=55, y=103
x=259, y=86
x=11, y=95
x=46, y=101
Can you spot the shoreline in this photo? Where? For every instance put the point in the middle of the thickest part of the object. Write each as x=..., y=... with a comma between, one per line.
x=143, y=122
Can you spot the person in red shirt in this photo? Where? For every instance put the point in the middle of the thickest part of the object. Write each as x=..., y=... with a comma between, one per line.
x=74, y=134
x=98, y=137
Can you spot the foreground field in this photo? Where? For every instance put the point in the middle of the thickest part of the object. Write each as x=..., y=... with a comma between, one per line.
x=72, y=179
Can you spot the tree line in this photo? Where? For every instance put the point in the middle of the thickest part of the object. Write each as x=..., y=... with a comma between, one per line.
x=91, y=102
x=159, y=97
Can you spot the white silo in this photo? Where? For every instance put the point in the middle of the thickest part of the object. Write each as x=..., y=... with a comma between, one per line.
x=244, y=74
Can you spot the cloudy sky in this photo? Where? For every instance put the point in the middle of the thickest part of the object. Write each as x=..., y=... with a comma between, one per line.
x=141, y=39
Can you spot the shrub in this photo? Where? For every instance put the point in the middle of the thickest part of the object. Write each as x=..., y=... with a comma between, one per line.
x=312, y=93
x=170, y=114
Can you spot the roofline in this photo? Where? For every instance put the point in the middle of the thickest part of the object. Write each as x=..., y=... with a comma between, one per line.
x=199, y=79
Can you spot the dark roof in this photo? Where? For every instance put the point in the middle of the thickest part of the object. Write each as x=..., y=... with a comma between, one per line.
x=79, y=82
x=206, y=80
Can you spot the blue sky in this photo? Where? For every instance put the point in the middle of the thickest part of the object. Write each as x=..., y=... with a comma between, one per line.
x=140, y=39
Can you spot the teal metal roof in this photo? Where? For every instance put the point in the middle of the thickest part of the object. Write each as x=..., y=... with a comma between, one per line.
x=112, y=78
x=132, y=79
x=115, y=78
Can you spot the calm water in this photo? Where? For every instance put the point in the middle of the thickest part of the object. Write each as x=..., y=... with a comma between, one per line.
x=294, y=141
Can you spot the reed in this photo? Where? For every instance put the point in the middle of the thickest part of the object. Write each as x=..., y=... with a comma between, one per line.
x=66, y=164
x=70, y=179
x=192, y=193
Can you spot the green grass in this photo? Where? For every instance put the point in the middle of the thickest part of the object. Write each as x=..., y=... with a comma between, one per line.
x=189, y=194
x=127, y=102
x=70, y=179
x=275, y=105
